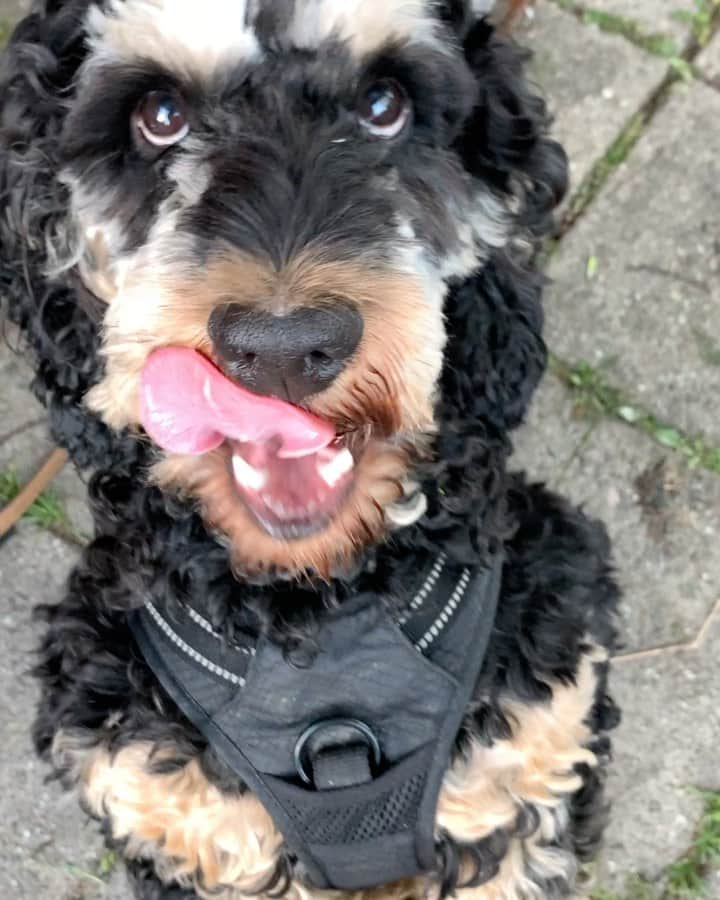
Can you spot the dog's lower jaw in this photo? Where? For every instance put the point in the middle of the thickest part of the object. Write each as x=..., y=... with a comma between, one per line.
x=360, y=521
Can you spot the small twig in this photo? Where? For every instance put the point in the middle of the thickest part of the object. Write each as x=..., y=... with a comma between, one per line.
x=26, y=426
x=14, y=510
x=689, y=646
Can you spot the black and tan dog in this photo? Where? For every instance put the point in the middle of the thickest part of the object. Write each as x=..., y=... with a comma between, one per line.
x=274, y=260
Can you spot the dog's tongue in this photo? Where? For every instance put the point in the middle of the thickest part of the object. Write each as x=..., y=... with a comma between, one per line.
x=188, y=406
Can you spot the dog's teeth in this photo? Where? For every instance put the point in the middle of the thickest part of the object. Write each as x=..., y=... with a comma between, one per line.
x=331, y=472
x=248, y=476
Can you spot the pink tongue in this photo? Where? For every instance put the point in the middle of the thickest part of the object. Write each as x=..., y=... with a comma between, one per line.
x=189, y=406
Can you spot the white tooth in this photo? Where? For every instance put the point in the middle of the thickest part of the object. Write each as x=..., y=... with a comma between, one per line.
x=248, y=476
x=331, y=472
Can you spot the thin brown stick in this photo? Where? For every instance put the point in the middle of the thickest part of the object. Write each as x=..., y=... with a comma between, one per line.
x=663, y=650
x=17, y=508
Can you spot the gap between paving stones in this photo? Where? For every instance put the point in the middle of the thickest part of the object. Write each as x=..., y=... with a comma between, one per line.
x=597, y=397
x=703, y=24
x=657, y=43
x=619, y=150
x=695, y=450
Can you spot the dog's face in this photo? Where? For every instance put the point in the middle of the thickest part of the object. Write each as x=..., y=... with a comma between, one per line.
x=281, y=187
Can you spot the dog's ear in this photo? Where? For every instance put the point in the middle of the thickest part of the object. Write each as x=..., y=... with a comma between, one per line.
x=504, y=142
x=36, y=75
x=495, y=355
x=495, y=317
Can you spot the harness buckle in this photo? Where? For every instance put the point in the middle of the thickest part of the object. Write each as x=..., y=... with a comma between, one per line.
x=337, y=753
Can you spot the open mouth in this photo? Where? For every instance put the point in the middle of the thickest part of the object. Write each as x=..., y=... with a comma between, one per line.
x=292, y=498
x=290, y=469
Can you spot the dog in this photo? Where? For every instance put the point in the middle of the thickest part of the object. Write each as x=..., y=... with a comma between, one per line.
x=275, y=261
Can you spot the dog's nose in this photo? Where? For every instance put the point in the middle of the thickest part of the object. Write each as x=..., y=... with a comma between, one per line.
x=291, y=356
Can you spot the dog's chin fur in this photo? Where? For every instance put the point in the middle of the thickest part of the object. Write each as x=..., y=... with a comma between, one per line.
x=332, y=549
x=523, y=799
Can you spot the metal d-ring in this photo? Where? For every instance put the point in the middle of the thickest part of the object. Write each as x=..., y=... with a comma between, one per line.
x=301, y=762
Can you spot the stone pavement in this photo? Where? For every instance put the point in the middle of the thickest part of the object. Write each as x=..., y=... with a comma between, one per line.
x=625, y=424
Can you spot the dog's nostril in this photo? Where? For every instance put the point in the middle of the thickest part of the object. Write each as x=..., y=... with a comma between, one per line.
x=291, y=356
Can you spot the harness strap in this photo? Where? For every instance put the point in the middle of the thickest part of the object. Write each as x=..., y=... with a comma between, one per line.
x=348, y=753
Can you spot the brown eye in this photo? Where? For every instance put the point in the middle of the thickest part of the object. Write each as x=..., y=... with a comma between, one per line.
x=384, y=108
x=161, y=118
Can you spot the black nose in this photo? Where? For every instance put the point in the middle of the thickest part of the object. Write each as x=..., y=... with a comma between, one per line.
x=290, y=356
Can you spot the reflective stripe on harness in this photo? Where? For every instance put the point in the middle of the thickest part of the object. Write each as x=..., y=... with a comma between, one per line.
x=347, y=752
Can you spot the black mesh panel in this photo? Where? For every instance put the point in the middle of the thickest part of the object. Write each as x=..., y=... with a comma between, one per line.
x=389, y=813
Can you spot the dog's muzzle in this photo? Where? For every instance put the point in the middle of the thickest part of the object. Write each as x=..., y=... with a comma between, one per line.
x=346, y=747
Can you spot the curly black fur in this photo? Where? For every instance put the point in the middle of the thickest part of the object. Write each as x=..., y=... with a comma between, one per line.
x=558, y=593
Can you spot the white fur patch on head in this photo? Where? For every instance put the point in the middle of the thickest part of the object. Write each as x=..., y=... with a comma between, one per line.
x=365, y=25
x=185, y=36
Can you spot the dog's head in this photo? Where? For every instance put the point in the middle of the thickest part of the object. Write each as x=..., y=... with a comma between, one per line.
x=290, y=189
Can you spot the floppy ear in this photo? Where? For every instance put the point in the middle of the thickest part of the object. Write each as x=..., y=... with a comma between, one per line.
x=36, y=75
x=504, y=142
x=495, y=355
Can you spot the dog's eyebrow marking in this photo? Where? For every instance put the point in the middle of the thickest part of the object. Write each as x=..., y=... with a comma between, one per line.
x=190, y=38
x=366, y=25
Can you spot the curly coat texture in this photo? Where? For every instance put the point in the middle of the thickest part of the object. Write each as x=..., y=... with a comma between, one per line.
x=558, y=597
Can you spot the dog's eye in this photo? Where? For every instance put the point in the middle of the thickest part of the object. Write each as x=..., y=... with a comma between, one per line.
x=384, y=108
x=161, y=118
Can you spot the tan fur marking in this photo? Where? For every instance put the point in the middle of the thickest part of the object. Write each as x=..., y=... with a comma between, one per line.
x=190, y=829
x=386, y=393
x=534, y=766
x=181, y=821
x=162, y=303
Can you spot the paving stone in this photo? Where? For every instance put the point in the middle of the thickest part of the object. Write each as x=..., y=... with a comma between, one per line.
x=653, y=16
x=663, y=519
x=10, y=12
x=48, y=848
x=547, y=442
x=652, y=306
x=709, y=61
x=665, y=746
x=593, y=82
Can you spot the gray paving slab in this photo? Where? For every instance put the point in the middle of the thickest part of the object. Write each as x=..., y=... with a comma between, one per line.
x=10, y=12
x=551, y=436
x=654, y=16
x=665, y=747
x=653, y=306
x=48, y=848
x=664, y=519
x=593, y=81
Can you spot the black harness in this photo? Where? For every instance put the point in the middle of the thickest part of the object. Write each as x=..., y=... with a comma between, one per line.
x=346, y=750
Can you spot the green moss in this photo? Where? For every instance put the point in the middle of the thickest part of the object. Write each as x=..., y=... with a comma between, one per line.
x=107, y=864
x=652, y=42
x=687, y=878
x=614, y=156
x=703, y=19
x=596, y=397
x=656, y=43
